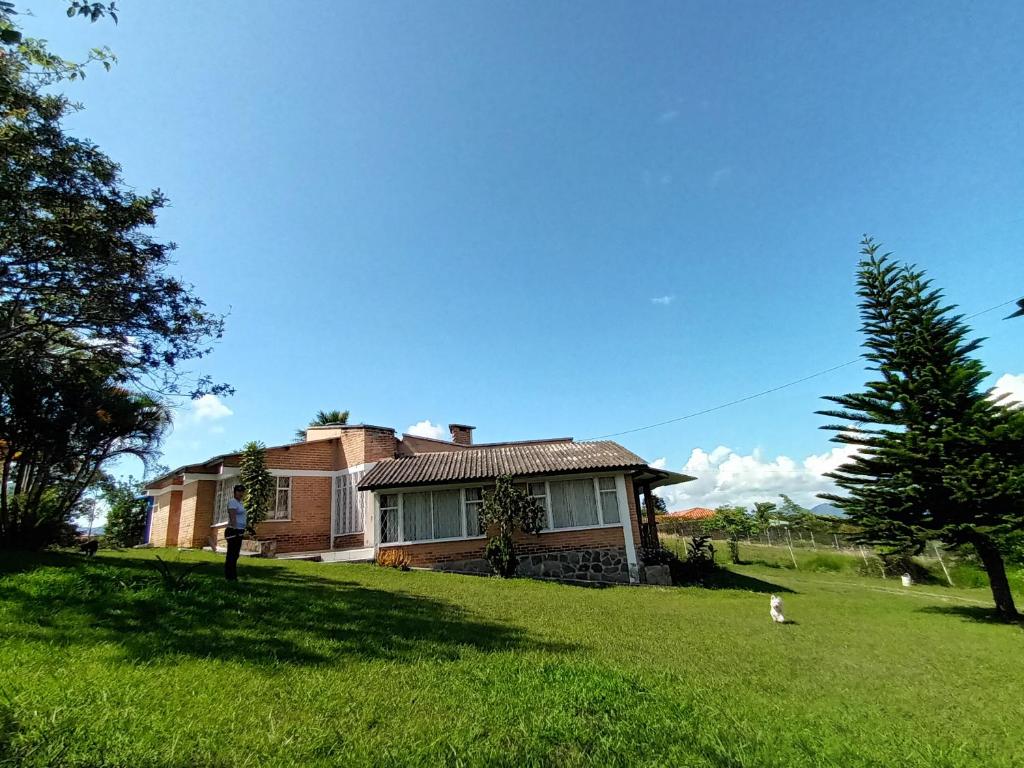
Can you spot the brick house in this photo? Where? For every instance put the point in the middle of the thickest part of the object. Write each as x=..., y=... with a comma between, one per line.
x=351, y=491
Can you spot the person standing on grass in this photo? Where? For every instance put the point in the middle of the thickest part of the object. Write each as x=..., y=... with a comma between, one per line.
x=233, y=533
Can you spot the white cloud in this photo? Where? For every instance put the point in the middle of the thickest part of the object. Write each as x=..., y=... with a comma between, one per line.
x=209, y=408
x=426, y=429
x=663, y=300
x=726, y=477
x=1011, y=385
x=659, y=463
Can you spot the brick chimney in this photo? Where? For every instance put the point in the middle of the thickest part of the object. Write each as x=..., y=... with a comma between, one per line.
x=462, y=434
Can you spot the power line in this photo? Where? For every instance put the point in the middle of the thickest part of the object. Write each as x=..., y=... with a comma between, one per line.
x=764, y=392
x=992, y=309
x=732, y=402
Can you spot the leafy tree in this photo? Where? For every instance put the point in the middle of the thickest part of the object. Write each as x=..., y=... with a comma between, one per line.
x=506, y=510
x=798, y=515
x=86, y=508
x=322, y=419
x=94, y=332
x=126, y=512
x=937, y=458
x=735, y=523
x=63, y=416
x=260, y=486
x=46, y=66
x=764, y=512
x=76, y=255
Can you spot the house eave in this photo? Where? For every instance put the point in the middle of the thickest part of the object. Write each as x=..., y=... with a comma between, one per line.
x=392, y=486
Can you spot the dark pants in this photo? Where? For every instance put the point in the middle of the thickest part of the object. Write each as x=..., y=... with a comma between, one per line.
x=233, y=538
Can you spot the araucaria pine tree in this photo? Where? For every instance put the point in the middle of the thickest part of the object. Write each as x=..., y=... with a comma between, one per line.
x=937, y=457
x=259, y=484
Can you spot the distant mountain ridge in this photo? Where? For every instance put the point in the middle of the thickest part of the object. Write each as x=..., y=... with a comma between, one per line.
x=828, y=510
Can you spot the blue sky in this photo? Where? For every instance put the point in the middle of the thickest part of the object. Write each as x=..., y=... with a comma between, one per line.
x=563, y=219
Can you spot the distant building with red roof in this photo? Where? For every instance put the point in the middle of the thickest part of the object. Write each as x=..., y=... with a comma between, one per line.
x=694, y=513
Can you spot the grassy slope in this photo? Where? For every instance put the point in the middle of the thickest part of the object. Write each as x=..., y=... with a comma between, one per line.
x=316, y=664
x=827, y=560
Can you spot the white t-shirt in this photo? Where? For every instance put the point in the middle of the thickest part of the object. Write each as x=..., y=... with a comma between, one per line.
x=235, y=504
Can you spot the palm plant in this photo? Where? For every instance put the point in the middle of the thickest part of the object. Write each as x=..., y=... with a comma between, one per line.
x=322, y=419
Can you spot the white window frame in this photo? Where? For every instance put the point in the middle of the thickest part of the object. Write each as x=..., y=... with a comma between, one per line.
x=356, y=497
x=601, y=522
x=396, y=509
x=221, y=497
x=549, y=528
x=614, y=490
x=272, y=515
x=466, y=504
x=429, y=490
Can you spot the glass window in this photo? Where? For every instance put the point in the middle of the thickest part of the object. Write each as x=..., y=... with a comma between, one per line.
x=573, y=503
x=389, y=517
x=281, y=501
x=609, y=498
x=349, y=503
x=447, y=514
x=474, y=503
x=416, y=525
x=223, y=496
x=538, y=491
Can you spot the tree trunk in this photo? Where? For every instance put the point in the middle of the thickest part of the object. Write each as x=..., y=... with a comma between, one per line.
x=992, y=559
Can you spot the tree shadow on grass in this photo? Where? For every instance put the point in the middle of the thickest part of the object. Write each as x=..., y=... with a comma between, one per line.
x=274, y=615
x=722, y=578
x=976, y=613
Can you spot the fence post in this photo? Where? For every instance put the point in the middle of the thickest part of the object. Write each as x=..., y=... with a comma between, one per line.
x=836, y=540
x=935, y=546
x=789, y=540
x=814, y=544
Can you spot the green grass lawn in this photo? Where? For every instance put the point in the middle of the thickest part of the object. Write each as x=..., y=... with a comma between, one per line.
x=335, y=664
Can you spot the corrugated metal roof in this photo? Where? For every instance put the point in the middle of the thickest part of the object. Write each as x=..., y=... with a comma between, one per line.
x=488, y=463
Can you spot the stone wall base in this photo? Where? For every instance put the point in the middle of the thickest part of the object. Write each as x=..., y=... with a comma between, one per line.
x=605, y=565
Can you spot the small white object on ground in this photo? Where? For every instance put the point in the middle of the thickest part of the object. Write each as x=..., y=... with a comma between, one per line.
x=907, y=581
x=776, y=610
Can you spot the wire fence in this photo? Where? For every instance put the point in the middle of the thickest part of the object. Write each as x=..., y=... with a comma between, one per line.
x=805, y=549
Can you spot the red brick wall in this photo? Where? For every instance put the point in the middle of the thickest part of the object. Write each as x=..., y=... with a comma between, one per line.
x=158, y=524
x=319, y=454
x=187, y=515
x=411, y=444
x=377, y=444
x=526, y=544
x=173, y=519
x=349, y=541
x=204, y=497
x=310, y=526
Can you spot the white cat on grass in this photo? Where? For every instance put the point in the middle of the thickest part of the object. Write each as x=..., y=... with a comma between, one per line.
x=776, y=610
